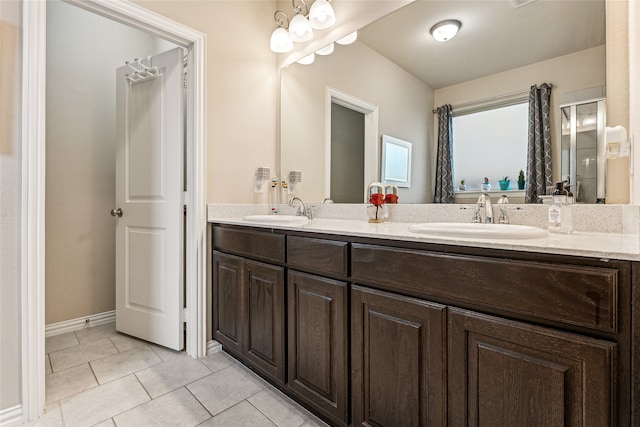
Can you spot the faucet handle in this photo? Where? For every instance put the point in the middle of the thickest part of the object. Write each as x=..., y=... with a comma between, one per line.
x=503, y=218
x=476, y=216
x=504, y=200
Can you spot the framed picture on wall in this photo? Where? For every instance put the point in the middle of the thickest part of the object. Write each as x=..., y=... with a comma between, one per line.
x=396, y=161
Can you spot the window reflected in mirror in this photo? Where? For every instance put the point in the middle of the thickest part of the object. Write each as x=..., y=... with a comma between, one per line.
x=491, y=143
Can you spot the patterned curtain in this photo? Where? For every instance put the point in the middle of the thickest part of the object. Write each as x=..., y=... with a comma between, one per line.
x=444, y=171
x=539, y=145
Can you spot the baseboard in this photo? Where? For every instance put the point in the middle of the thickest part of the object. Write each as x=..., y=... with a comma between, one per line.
x=213, y=347
x=79, y=323
x=11, y=416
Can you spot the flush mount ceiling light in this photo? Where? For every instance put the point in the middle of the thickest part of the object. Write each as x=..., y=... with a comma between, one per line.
x=321, y=15
x=300, y=29
x=307, y=59
x=327, y=50
x=280, y=40
x=445, y=30
x=348, y=39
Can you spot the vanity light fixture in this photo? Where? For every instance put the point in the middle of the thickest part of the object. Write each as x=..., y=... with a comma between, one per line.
x=321, y=15
x=299, y=28
x=445, y=30
x=348, y=39
x=280, y=40
x=327, y=50
x=306, y=60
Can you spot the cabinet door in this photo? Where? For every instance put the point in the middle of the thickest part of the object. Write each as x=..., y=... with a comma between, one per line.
x=317, y=348
x=506, y=373
x=398, y=360
x=264, y=319
x=228, y=310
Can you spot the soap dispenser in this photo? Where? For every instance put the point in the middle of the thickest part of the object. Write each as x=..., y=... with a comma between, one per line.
x=560, y=215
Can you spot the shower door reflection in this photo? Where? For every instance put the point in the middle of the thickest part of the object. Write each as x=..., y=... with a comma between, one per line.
x=582, y=148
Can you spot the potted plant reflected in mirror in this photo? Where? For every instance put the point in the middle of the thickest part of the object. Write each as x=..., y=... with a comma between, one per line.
x=504, y=183
x=521, y=180
x=462, y=186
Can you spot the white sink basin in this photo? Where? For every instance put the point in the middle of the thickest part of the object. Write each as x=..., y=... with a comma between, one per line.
x=479, y=231
x=277, y=219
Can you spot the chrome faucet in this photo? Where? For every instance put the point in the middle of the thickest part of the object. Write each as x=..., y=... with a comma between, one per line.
x=302, y=209
x=484, y=210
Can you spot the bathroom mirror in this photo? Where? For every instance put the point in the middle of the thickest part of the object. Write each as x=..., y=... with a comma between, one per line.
x=402, y=73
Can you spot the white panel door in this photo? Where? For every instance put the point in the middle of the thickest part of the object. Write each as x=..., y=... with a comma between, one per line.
x=149, y=208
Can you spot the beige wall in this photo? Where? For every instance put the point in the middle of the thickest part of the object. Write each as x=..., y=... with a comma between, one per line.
x=241, y=90
x=10, y=55
x=569, y=73
x=404, y=105
x=618, y=63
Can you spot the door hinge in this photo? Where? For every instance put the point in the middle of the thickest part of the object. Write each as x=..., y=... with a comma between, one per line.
x=185, y=80
x=185, y=315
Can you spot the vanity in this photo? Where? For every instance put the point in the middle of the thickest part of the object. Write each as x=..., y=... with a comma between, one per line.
x=364, y=328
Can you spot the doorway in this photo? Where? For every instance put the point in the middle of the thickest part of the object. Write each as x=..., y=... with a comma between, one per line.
x=34, y=173
x=371, y=162
x=83, y=51
x=347, y=154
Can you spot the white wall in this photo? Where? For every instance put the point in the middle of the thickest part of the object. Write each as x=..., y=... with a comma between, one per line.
x=83, y=52
x=404, y=112
x=10, y=170
x=569, y=73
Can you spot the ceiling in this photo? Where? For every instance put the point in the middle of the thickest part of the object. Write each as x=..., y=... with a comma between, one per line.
x=494, y=36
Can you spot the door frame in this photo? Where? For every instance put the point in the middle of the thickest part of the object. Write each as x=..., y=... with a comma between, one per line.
x=33, y=181
x=371, y=144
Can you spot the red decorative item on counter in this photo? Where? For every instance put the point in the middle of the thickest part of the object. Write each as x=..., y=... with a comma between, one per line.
x=377, y=199
x=391, y=198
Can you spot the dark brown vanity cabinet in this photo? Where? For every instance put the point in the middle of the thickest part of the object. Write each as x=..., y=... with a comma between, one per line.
x=522, y=352
x=318, y=344
x=398, y=360
x=506, y=373
x=367, y=332
x=249, y=306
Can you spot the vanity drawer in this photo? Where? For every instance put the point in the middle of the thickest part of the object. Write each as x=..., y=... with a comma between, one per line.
x=571, y=294
x=322, y=256
x=252, y=244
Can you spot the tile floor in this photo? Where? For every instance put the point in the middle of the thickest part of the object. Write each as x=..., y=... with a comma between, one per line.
x=98, y=377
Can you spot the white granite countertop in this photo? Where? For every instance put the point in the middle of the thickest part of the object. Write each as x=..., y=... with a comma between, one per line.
x=587, y=244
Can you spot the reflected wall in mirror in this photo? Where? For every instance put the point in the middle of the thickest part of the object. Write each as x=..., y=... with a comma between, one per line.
x=396, y=66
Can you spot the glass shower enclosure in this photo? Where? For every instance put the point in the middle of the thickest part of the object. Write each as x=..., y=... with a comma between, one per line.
x=583, y=153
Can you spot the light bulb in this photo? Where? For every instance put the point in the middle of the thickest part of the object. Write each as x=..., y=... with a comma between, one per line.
x=321, y=15
x=348, y=39
x=300, y=29
x=327, y=50
x=307, y=59
x=280, y=41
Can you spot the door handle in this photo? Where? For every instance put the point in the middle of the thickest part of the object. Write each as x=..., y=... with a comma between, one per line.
x=116, y=212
